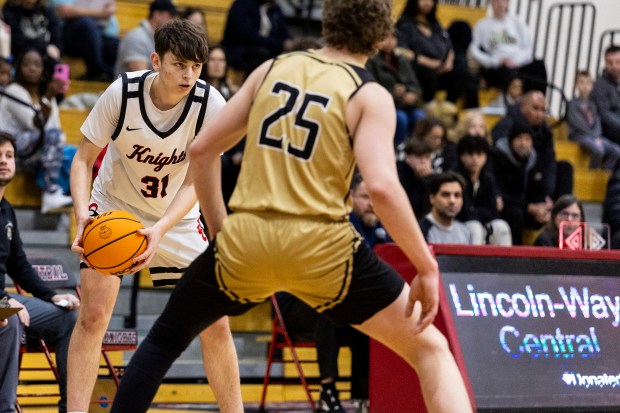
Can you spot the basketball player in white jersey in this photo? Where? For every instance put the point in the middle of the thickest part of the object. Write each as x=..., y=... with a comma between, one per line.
x=148, y=120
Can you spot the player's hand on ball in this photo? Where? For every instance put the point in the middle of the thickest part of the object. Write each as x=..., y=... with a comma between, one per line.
x=153, y=235
x=77, y=245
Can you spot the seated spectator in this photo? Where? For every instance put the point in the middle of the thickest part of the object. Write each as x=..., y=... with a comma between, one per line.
x=433, y=132
x=519, y=175
x=90, y=31
x=393, y=72
x=255, y=31
x=195, y=15
x=216, y=70
x=440, y=226
x=363, y=215
x=472, y=123
x=511, y=96
x=47, y=314
x=567, y=208
x=557, y=175
x=6, y=72
x=611, y=206
x=427, y=46
x=300, y=318
x=502, y=45
x=33, y=24
x=28, y=111
x=585, y=126
x=606, y=94
x=136, y=47
x=481, y=202
x=414, y=172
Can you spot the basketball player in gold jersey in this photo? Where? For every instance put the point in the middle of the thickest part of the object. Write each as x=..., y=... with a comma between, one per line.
x=308, y=117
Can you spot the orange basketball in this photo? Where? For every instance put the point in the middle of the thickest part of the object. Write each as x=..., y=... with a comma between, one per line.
x=111, y=242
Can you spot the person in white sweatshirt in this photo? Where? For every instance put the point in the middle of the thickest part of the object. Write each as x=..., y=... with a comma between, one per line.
x=502, y=46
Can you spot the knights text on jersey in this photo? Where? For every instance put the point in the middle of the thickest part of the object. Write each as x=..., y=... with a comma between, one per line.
x=298, y=155
x=146, y=161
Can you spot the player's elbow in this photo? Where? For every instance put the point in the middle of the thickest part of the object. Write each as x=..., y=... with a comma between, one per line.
x=198, y=153
x=380, y=190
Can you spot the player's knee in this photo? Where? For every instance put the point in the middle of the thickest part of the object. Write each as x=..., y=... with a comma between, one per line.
x=218, y=329
x=430, y=344
x=93, y=319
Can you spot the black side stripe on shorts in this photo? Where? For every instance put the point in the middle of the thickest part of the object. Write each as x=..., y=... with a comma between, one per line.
x=166, y=270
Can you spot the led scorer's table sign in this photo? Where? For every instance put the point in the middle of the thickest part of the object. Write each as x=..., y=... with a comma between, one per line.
x=538, y=329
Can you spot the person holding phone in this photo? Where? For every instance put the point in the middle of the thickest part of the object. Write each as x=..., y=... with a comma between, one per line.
x=28, y=111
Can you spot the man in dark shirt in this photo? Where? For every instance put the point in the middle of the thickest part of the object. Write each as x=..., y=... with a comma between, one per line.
x=414, y=173
x=557, y=175
x=255, y=31
x=47, y=315
x=606, y=94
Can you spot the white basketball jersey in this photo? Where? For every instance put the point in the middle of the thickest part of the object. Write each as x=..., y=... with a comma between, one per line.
x=148, y=153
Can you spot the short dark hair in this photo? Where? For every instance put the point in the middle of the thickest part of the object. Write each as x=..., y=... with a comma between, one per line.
x=582, y=73
x=356, y=181
x=612, y=49
x=519, y=128
x=182, y=38
x=417, y=147
x=438, y=180
x=7, y=137
x=472, y=144
x=162, y=5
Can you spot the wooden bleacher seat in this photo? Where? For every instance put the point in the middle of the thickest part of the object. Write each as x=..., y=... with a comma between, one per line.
x=23, y=192
x=86, y=86
x=590, y=184
x=71, y=120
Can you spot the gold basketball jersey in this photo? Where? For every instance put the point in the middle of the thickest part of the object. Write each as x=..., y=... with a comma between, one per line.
x=298, y=155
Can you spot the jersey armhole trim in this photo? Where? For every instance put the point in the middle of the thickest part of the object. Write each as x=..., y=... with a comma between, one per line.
x=121, y=115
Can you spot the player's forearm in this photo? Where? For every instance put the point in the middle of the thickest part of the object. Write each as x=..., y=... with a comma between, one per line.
x=206, y=173
x=80, y=180
x=393, y=209
x=182, y=203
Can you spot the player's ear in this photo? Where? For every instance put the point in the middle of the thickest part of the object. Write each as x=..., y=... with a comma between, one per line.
x=155, y=61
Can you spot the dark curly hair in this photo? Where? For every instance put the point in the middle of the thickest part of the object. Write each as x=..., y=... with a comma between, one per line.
x=356, y=25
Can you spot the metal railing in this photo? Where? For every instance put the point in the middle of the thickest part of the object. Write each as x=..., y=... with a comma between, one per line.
x=569, y=34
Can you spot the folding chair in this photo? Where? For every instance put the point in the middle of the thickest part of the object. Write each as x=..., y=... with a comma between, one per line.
x=59, y=277
x=280, y=339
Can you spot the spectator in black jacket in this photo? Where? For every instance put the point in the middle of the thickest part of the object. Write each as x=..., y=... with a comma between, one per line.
x=519, y=174
x=33, y=24
x=606, y=94
x=481, y=202
x=433, y=132
x=255, y=31
x=45, y=315
x=557, y=176
x=611, y=207
x=414, y=172
x=393, y=72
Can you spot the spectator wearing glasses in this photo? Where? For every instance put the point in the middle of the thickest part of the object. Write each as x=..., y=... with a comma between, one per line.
x=566, y=208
